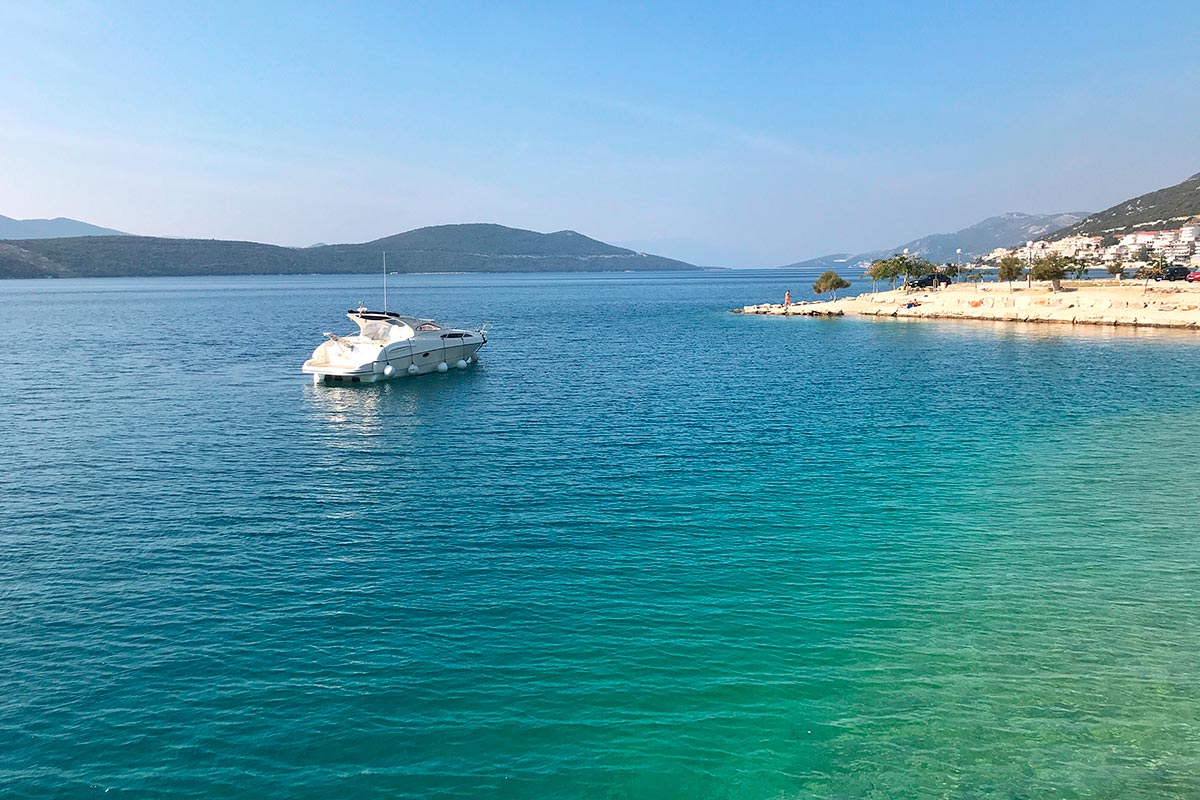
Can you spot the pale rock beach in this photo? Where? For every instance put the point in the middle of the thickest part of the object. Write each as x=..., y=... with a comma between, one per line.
x=1159, y=305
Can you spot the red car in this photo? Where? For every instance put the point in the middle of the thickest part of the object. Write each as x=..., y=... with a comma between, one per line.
x=1193, y=276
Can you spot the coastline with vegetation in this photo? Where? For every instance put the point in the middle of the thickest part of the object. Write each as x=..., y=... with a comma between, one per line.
x=470, y=247
x=1156, y=305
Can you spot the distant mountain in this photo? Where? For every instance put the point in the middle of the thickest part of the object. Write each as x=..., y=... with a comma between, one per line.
x=442, y=248
x=497, y=240
x=1006, y=230
x=56, y=228
x=831, y=261
x=1164, y=208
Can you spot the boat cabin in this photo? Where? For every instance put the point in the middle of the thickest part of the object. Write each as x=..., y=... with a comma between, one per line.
x=388, y=326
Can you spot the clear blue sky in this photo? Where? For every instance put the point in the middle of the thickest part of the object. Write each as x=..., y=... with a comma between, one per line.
x=748, y=134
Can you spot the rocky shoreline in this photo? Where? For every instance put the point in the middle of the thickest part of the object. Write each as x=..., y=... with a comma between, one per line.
x=1160, y=305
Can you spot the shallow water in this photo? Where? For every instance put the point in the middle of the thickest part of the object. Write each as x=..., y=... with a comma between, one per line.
x=647, y=548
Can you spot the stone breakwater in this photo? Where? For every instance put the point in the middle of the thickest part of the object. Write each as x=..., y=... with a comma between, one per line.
x=1161, y=305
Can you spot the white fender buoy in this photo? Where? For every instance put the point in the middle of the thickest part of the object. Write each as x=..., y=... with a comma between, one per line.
x=412, y=369
x=461, y=364
x=442, y=367
x=389, y=371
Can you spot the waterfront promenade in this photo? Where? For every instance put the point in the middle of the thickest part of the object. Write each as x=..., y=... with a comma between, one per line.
x=1132, y=303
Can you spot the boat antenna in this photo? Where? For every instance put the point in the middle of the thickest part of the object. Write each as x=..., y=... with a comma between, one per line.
x=385, y=281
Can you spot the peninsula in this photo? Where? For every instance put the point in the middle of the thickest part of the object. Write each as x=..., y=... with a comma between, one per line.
x=1157, y=305
x=474, y=247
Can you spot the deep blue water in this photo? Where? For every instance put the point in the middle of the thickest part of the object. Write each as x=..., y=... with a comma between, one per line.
x=647, y=548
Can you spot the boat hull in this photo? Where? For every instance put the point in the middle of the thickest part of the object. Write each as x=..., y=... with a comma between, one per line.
x=405, y=361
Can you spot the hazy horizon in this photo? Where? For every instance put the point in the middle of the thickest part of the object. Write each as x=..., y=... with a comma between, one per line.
x=733, y=136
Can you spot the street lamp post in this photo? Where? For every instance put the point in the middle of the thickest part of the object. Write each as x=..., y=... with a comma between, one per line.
x=958, y=263
x=1029, y=263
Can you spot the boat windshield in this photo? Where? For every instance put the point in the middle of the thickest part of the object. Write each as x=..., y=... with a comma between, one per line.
x=381, y=328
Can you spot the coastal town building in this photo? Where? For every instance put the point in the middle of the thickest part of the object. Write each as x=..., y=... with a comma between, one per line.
x=1179, y=246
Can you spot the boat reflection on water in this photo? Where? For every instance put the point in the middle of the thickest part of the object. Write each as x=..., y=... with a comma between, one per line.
x=392, y=409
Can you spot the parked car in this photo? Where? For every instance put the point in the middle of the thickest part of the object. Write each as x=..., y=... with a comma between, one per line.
x=1175, y=274
x=932, y=279
x=1193, y=276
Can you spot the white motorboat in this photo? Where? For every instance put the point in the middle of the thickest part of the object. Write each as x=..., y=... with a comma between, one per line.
x=390, y=345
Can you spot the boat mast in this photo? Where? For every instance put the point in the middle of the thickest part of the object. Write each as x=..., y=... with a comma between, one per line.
x=385, y=281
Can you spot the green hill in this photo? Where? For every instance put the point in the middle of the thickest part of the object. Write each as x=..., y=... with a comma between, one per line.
x=1164, y=208
x=488, y=239
x=442, y=248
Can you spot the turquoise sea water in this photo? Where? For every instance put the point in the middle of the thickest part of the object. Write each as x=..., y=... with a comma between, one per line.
x=647, y=549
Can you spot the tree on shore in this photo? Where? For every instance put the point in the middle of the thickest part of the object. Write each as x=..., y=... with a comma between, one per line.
x=1155, y=269
x=1051, y=268
x=973, y=275
x=897, y=267
x=1079, y=266
x=915, y=266
x=1009, y=269
x=829, y=282
x=1117, y=269
x=880, y=269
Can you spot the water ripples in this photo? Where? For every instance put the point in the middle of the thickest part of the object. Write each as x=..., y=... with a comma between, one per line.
x=687, y=554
